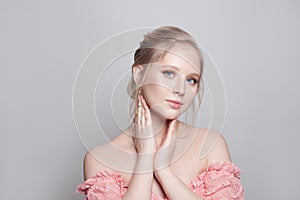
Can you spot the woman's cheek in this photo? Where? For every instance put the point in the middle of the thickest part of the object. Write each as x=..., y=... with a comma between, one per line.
x=166, y=83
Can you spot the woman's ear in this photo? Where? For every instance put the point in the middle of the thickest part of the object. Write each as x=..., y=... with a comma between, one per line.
x=137, y=73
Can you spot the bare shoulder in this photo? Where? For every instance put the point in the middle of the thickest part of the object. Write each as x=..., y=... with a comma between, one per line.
x=213, y=146
x=92, y=162
x=107, y=157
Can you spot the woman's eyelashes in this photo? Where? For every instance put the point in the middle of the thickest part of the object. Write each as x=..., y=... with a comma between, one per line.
x=192, y=81
x=169, y=73
x=172, y=74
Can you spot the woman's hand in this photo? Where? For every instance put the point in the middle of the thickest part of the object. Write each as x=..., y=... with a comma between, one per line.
x=163, y=156
x=144, y=138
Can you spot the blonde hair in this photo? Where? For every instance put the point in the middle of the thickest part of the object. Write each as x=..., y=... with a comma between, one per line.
x=154, y=47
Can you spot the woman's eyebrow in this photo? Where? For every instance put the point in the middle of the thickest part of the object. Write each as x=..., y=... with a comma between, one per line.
x=177, y=69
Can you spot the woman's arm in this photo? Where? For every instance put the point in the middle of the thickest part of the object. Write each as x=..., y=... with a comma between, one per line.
x=109, y=185
x=140, y=186
x=174, y=188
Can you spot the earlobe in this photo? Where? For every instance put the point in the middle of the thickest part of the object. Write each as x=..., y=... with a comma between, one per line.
x=137, y=73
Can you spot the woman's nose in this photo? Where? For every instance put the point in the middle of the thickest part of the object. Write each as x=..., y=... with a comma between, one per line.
x=179, y=87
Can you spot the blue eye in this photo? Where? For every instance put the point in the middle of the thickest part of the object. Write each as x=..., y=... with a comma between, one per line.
x=192, y=81
x=168, y=73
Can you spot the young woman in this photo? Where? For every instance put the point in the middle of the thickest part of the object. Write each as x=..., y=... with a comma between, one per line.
x=159, y=157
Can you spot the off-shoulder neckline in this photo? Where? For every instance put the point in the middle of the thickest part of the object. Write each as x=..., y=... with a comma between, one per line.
x=212, y=166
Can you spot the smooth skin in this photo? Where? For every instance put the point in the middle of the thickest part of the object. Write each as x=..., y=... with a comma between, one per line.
x=168, y=161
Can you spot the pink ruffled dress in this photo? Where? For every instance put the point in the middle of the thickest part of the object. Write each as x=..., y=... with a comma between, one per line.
x=221, y=181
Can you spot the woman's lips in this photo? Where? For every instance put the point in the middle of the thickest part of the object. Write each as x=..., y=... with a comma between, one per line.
x=174, y=104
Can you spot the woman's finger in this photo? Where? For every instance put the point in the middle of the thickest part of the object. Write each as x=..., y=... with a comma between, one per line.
x=147, y=113
x=139, y=109
x=142, y=116
x=172, y=127
x=170, y=134
x=142, y=113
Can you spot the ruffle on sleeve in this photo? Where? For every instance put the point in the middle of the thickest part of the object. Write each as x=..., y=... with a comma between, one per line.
x=103, y=186
x=221, y=181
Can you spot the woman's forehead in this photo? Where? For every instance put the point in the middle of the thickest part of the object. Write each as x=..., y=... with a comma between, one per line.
x=183, y=58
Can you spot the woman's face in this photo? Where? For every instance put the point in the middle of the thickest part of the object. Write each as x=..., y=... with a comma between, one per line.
x=172, y=83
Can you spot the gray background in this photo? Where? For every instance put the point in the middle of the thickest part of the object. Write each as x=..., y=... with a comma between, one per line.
x=255, y=45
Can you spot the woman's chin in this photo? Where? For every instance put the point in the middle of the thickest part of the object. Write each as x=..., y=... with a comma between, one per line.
x=169, y=115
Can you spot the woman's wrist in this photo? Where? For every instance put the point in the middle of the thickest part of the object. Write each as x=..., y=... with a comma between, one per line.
x=148, y=147
x=144, y=163
x=163, y=173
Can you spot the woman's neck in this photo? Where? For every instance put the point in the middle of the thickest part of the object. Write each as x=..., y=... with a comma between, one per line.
x=160, y=127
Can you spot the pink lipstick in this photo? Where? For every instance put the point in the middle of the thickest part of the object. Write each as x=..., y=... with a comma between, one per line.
x=174, y=104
